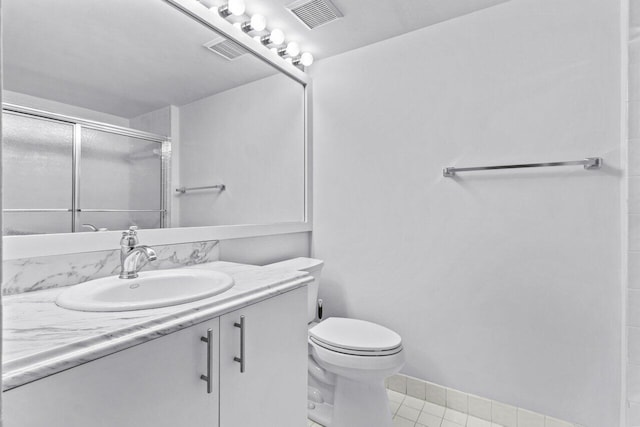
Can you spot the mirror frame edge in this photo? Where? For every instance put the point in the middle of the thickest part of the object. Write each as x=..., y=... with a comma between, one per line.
x=17, y=247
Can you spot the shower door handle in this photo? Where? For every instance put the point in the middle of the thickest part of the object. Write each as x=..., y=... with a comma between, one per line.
x=241, y=359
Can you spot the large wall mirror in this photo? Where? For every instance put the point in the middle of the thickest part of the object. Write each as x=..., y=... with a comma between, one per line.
x=119, y=113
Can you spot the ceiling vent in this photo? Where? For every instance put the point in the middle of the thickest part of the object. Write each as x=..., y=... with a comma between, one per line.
x=314, y=13
x=228, y=49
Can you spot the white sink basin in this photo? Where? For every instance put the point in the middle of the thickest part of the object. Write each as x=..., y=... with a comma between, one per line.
x=151, y=289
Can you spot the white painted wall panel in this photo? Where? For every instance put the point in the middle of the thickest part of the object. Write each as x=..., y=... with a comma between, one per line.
x=503, y=284
x=251, y=139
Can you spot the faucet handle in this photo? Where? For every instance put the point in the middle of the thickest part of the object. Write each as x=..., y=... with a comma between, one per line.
x=129, y=238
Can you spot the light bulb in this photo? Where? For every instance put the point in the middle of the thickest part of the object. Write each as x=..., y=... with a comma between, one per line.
x=306, y=59
x=258, y=22
x=233, y=7
x=293, y=49
x=236, y=7
x=276, y=37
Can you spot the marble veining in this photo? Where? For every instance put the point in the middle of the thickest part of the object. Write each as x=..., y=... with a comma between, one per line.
x=40, y=273
x=41, y=339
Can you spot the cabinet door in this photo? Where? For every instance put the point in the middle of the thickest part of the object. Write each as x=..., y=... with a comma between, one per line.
x=272, y=391
x=155, y=384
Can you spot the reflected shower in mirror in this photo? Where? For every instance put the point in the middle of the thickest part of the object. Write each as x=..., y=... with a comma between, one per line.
x=125, y=103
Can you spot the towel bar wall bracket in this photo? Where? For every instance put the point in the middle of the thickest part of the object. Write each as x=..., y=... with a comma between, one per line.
x=588, y=163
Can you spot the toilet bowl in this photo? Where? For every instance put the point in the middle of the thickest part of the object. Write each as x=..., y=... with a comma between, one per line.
x=360, y=355
x=348, y=362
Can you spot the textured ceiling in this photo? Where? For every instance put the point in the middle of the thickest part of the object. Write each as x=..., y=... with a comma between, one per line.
x=120, y=57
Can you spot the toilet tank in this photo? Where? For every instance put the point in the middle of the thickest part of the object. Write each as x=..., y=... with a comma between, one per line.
x=314, y=268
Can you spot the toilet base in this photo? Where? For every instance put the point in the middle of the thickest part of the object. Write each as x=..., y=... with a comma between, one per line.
x=320, y=413
x=360, y=404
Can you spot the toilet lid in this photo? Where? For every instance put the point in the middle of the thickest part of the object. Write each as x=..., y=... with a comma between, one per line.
x=352, y=335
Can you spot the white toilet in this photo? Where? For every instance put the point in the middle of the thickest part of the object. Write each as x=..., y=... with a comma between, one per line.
x=348, y=362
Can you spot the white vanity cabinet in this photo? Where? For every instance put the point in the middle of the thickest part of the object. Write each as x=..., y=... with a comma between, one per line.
x=158, y=383
x=272, y=389
x=153, y=384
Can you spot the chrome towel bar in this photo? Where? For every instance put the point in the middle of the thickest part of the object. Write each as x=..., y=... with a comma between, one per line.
x=220, y=187
x=588, y=163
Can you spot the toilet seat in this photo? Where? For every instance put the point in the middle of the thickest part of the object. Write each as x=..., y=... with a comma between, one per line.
x=355, y=337
x=350, y=365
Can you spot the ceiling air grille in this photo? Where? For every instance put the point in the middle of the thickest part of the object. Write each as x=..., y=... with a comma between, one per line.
x=228, y=49
x=314, y=13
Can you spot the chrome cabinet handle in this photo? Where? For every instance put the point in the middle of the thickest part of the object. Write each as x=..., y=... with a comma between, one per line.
x=209, y=340
x=241, y=359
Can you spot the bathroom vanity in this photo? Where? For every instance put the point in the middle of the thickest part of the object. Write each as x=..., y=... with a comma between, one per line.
x=123, y=147
x=236, y=359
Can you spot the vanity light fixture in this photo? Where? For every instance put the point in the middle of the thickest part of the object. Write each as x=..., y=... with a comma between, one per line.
x=233, y=7
x=305, y=59
x=275, y=38
x=256, y=23
x=292, y=50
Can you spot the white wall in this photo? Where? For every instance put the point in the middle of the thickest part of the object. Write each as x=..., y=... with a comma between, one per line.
x=633, y=295
x=250, y=138
x=503, y=284
x=156, y=121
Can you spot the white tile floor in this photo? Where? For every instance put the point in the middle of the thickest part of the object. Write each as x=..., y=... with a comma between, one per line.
x=411, y=412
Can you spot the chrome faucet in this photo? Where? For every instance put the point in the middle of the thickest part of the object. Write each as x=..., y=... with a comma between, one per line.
x=130, y=252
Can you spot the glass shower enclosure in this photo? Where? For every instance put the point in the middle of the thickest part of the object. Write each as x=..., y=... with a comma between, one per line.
x=63, y=174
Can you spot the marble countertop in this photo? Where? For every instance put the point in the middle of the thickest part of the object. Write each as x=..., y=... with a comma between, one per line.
x=41, y=339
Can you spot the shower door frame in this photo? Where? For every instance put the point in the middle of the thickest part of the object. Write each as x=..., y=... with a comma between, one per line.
x=78, y=124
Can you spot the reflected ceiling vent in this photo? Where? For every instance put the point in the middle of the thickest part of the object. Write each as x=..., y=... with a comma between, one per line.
x=314, y=13
x=228, y=49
